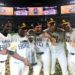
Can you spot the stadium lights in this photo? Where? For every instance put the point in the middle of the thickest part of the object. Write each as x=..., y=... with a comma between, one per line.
x=73, y=1
x=2, y=4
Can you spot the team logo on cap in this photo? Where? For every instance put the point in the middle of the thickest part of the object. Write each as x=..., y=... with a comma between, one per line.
x=51, y=21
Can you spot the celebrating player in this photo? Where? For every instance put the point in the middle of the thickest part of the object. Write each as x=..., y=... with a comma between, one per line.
x=42, y=49
x=71, y=53
x=57, y=51
x=20, y=46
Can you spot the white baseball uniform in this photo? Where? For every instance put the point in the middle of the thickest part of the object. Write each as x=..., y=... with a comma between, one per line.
x=4, y=43
x=71, y=57
x=43, y=53
x=42, y=45
x=71, y=54
x=58, y=52
x=17, y=67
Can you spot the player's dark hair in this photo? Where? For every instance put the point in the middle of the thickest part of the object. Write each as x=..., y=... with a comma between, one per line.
x=37, y=24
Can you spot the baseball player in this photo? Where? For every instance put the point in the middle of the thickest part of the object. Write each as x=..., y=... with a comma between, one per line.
x=5, y=40
x=21, y=46
x=68, y=29
x=42, y=50
x=71, y=53
x=25, y=48
x=69, y=44
x=57, y=51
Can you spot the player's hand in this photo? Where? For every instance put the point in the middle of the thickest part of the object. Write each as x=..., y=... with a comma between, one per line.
x=46, y=35
x=53, y=40
x=26, y=62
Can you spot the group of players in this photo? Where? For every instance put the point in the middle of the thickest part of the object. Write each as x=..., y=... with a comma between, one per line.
x=38, y=49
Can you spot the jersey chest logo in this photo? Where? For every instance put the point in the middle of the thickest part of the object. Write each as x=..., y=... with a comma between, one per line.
x=23, y=45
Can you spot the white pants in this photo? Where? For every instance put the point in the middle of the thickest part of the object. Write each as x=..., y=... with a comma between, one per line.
x=2, y=68
x=18, y=68
x=71, y=64
x=59, y=53
x=37, y=68
x=45, y=62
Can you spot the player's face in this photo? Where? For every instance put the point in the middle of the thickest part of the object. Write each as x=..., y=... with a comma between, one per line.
x=51, y=26
x=22, y=32
x=38, y=28
x=67, y=27
x=8, y=28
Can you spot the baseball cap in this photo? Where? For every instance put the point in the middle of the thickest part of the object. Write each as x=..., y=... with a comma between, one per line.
x=51, y=20
x=23, y=26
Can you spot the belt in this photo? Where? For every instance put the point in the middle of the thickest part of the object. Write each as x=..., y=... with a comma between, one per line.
x=33, y=64
x=40, y=53
x=2, y=61
x=72, y=53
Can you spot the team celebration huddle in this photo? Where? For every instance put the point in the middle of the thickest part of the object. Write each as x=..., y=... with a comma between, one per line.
x=38, y=49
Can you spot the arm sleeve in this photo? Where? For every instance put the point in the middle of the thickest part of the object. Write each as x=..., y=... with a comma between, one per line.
x=12, y=48
x=11, y=52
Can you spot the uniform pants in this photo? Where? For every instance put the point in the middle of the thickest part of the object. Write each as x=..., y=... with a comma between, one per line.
x=44, y=62
x=2, y=68
x=59, y=53
x=71, y=64
x=18, y=68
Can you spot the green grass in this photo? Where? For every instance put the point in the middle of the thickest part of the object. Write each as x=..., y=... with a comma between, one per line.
x=57, y=69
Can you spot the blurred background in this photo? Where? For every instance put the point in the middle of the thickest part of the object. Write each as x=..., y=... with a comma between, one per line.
x=31, y=11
